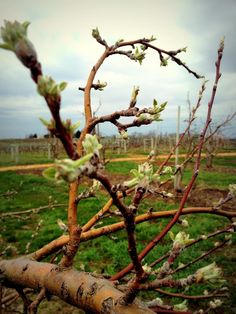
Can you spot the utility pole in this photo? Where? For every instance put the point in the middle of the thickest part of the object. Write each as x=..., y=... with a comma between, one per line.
x=177, y=178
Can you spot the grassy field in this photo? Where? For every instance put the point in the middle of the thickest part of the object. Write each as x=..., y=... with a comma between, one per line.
x=108, y=254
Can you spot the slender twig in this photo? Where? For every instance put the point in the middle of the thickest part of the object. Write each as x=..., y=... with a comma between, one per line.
x=191, y=153
x=32, y=308
x=191, y=120
x=201, y=238
x=32, y=210
x=160, y=51
x=56, y=244
x=192, y=297
x=159, y=310
x=24, y=298
x=200, y=257
x=103, y=211
x=33, y=236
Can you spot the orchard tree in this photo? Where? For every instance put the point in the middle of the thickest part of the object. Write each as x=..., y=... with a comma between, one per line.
x=211, y=143
x=118, y=293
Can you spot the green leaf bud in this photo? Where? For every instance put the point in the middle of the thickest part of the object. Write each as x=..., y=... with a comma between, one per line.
x=180, y=240
x=101, y=85
x=232, y=189
x=181, y=306
x=62, y=225
x=91, y=144
x=211, y=273
x=48, y=87
x=134, y=94
x=152, y=38
x=95, y=33
x=167, y=170
x=138, y=55
x=124, y=134
x=62, y=85
x=50, y=173
x=143, y=176
x=215, y=303
x=14, y=36
x=164, y=62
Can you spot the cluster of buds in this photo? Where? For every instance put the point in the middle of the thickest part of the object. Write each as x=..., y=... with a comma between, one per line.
x=96, y=186
x=69, y=127
x=69, y=170
x=91, y=144
x=62, y=225
x=164, y=61
x=222, y=44
x=203, y=87
x=97, y=36
x=215, y=303
x=123, y=134
x=167, y=170
x=211, y=273
x=14, y=36
x=147, y=269
x=152, y=114
x=180, y=240
x=47, y=87
x=184, y=223
x=182, y=307
x=166, y=194
x=138, y=55
x=143, y=176
x=232, y=190
x=147, y=40
x=100, y=85
x=50, y=125
x=118, y=42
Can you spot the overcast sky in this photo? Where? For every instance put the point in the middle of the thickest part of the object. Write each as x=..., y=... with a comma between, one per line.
x=61, y=33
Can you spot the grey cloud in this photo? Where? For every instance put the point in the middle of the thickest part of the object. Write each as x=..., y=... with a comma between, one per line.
x=208, y=21
x=203, y=23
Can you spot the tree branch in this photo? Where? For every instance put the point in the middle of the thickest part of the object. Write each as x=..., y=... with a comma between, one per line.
x=83, y=290
x=165, y=230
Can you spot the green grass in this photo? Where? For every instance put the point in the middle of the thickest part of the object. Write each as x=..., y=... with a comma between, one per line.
x=108, y=254
x=212, y=179
x=24, y=159
x=121, y=167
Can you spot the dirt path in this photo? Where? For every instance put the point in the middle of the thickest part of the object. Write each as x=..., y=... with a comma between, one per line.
x=133, y=158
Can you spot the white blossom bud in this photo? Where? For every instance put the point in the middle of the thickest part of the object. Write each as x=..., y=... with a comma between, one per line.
x=181, y=306
x=184, y=223
x=147, y=269
x=214, y=304
x=232, y=189
x=211, y=273
x=91, y=144
x=181, y=239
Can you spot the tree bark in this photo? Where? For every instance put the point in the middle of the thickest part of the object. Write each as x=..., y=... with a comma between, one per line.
x=83, y=290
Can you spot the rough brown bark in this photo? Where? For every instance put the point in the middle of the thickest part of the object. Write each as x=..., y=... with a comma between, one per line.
x=83, y=290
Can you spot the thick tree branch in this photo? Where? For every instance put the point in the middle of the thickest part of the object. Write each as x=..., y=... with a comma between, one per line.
x=83, y=290
x=56, y=244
